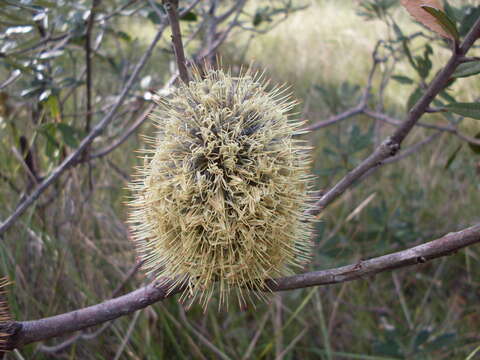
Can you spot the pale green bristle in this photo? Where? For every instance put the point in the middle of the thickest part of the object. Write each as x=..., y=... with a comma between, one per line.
x=220, y=200
x=4, y=311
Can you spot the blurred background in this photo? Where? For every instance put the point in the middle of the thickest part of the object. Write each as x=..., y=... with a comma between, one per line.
x=63, y=65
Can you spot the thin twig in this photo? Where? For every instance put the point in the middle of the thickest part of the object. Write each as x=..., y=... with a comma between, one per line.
x=136, y=124
x=200, y=336
x=277, y=326
x=88, y=87
x=292, y=344
x=390, y=146
x=127, y=336
x=96, y=131
x=255, y=338
x=412, y=149
x=450, y=129
x=88, y=62
x=14, y=76
x=42, y=42
x=10, y=183
x=115, y=12
x=362, y=104
x=336, y=118
x=403, y=154
x=140, y=120
x=172, y=10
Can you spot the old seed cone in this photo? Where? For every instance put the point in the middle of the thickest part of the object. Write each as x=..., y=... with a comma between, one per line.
x=220, y=200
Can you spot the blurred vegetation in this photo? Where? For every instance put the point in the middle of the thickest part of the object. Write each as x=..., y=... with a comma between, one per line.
x=72, y=248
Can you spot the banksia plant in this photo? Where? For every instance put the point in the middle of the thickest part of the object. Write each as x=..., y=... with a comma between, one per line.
x=5, y=316
x=220, y=200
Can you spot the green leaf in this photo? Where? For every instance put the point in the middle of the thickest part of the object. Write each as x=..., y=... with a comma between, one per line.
x=470, y=110
x=49, y=130
x=447, y=97
x=424, y=65
x=398, y=32
x=123, y=35
x=17, y=65
x=414, y=97
x=50, y=54
x=69, y=134
x=45, y=3
x=257, y=19
x=53, y=105
x=406, y=49
x=154, y=18
x=468, y=20
x=402, y=79
x=467, y=69
x=189, y=16
x=474, y=147
x=443, y=20
x=452, y=157
x=451, y=12
x=16, y=19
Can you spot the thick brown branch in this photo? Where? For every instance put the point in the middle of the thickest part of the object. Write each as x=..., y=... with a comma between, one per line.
x=443, y=246
x=37, y=330
x=32, y=331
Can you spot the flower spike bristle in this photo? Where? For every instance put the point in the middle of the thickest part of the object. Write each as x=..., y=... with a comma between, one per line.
x=220, y=200
x=5, y=316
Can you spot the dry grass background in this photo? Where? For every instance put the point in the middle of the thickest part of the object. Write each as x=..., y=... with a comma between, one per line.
x=81, y=252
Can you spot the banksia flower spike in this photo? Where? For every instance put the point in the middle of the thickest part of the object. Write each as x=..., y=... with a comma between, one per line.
x=5, y=316
x=220, y=200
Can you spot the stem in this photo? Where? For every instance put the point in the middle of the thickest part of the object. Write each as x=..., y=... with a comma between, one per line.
x=88, y=61
x=171, y=6
x=96, y=131
x=391, y=145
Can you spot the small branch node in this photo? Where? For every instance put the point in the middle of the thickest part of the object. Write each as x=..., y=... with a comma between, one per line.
x=421, y=260
x=393, y=146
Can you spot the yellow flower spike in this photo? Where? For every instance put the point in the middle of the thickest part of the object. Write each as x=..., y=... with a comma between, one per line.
x=220, y=200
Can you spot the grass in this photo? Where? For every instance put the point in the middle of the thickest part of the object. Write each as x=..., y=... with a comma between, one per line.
x=73, y=249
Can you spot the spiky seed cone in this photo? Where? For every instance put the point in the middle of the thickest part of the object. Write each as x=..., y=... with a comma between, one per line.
x=5, y=316
x=220, y=199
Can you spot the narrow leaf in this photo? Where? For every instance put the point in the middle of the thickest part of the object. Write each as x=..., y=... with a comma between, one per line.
x=54, y=106
x=189, y=16
x=68, y=134
x=452, y=157
x=468, y=20
x=474, y=147
x=445, y=22
x=414, y=97
x=470, y=110
x=402, y=79
x=415, y=8
x=467, y=69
